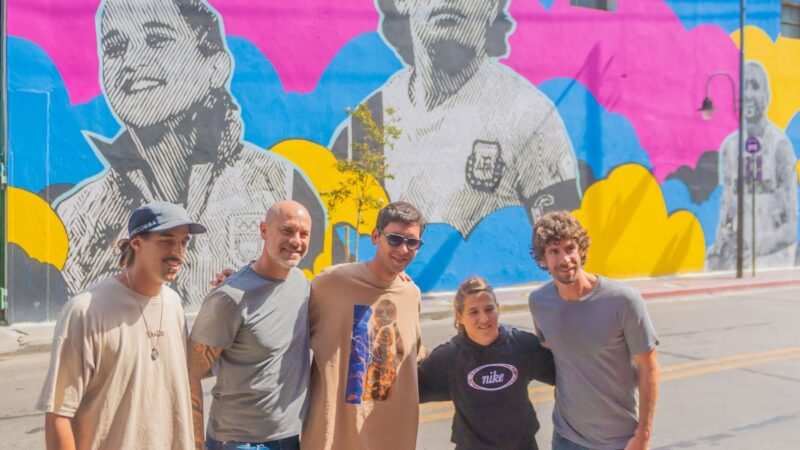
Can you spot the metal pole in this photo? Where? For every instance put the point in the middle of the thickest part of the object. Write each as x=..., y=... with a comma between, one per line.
x=3, y=159
x=753, y=224
x=740, y=170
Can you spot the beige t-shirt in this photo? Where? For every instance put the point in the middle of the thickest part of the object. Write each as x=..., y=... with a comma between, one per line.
x=365, y=338
x=102, y=374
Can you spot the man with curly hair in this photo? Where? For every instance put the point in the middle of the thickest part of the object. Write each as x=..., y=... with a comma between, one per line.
x=603, y=343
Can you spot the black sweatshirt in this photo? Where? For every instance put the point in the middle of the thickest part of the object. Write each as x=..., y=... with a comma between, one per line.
x=489, y=387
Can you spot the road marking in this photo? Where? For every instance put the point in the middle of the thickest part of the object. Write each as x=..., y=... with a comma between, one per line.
x=438, y=411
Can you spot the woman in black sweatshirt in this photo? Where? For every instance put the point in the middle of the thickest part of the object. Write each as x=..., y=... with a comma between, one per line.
x=485, y=370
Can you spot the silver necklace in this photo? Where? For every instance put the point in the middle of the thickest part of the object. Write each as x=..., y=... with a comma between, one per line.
x=150, y=334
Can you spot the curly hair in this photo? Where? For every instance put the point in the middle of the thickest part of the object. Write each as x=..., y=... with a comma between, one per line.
x=473, y=285
x=555, y=227
x=396, y=29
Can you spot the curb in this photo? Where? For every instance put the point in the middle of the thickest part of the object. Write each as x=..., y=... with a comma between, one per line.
x=719, y=289
x=443, y=311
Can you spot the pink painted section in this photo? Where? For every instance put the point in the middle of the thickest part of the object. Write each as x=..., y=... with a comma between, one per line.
x=638, y=61
x=299, y=37
x=65, y=30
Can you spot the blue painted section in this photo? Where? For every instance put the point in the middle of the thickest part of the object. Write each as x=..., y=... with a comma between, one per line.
x=546, y=3
x=793, y=132
x=603, y=139
x=271, y=115
x=765, y=14
x=359, y=354
x=46, y=145
x=677, y=197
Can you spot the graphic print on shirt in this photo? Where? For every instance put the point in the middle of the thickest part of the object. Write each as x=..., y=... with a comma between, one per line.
x=375, y=353
x=492, y=377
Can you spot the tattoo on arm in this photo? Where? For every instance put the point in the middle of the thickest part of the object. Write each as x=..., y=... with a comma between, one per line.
x=201, y=359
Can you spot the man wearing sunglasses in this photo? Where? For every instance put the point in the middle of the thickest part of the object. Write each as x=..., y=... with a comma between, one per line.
x=365, y=338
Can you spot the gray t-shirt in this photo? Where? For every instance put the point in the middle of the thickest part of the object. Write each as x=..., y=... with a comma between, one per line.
x=263, y=373
x=593, y=341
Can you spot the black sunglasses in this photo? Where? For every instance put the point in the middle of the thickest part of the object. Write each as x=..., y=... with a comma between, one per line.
x=396, y=240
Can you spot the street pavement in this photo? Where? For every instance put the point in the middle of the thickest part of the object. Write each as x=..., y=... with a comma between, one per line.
x=730, y=375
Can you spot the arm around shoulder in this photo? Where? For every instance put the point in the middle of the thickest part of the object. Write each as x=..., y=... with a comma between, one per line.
x=540, y=359
x=434, y=374
x=201, y=359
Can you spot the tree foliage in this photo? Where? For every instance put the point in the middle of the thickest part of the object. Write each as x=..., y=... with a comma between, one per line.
x=366, y=166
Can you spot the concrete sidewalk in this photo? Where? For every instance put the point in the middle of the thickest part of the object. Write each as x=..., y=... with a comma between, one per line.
x=438, y=305
x=27, y=337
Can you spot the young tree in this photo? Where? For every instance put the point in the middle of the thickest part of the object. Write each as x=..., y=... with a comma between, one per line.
x=366, y=168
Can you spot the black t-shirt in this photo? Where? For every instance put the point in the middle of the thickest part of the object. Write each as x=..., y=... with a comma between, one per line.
x=489, y=387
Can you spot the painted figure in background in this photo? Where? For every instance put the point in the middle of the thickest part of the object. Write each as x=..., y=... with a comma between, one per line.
x=476, y=136
x=166, y=74
x=770, y=159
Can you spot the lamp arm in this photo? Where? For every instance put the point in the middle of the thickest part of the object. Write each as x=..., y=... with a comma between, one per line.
x=733, y=86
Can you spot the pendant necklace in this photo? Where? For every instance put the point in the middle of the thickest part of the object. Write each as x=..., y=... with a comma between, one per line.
x=150, y=334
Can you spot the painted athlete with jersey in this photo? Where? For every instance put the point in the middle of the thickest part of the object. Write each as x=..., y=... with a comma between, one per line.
x=476, y=136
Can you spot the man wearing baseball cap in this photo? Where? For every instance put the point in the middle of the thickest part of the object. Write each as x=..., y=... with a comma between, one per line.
x=118, y=376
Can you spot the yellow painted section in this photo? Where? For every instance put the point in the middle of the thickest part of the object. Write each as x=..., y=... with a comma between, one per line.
x=631, y=233
x=319, y=165
x=781, y=59
x=798, y=172
x=35, y=227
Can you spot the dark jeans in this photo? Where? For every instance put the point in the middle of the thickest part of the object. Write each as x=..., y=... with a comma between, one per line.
x=532, y=446
x=290, y=443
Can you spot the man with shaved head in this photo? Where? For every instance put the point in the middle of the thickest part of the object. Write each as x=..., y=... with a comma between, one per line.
x=255, y=328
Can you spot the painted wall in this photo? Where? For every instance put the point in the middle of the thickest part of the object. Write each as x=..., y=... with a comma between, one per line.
x=507, y=109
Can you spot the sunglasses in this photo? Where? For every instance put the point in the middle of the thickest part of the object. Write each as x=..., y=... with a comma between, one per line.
x=396, y=240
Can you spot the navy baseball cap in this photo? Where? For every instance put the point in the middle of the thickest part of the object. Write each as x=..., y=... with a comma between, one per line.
x=160, y=216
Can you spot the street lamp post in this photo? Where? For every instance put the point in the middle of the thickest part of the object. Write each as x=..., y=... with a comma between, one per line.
x=707, y=109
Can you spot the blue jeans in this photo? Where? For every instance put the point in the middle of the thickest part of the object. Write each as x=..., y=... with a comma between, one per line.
x=561, y=443
x=290, y=443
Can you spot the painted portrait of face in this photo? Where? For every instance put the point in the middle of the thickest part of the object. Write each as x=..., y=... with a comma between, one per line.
x=155, y=64
x=464, y=23
x=457, y=30
x=756, y=91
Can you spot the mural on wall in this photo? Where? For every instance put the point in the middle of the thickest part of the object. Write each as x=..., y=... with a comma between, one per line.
x=770, y=185
x=476, y=136
x=507, y=109
x=165, y=72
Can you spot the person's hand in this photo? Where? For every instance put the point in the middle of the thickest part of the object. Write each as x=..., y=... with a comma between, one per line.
x=220, y=277
x=638, y=442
